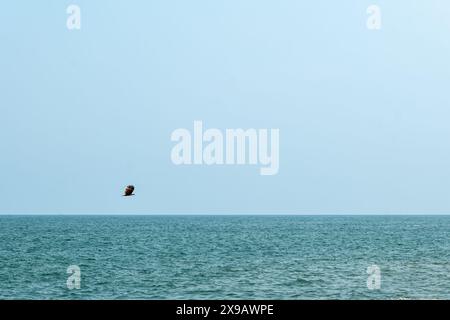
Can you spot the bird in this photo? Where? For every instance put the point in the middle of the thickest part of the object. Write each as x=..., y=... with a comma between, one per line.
x=129, y=191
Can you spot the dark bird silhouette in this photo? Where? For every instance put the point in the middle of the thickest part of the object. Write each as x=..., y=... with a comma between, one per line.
x=129, y=191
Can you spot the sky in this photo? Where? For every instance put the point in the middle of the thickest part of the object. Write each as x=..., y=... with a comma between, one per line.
x=363, y=115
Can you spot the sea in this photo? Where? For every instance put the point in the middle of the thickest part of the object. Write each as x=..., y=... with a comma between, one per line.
x=224, y=257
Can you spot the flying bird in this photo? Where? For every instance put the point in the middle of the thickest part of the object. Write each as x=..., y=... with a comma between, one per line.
x=129, y=191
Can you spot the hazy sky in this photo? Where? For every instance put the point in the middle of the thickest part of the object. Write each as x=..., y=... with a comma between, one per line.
x=364, y=116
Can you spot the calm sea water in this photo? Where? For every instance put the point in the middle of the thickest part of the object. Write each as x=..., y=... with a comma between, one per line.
x=225, y=257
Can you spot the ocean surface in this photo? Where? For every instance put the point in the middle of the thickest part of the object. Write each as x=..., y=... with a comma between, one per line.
x=225, y=257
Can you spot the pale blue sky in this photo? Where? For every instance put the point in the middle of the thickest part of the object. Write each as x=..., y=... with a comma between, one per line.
x=364, y=116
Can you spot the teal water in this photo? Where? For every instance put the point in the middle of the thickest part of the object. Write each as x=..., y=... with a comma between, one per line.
x=225, y=257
